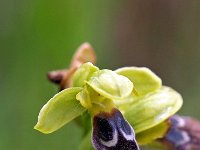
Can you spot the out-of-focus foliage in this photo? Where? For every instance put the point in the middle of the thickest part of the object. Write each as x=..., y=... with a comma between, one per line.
x=39, y=36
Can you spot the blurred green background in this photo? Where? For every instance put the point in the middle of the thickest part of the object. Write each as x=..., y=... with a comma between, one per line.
x=37, y=36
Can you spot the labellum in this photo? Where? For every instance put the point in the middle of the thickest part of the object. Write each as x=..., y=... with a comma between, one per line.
x=112, y=132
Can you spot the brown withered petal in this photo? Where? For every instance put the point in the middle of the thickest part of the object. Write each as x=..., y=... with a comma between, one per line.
x=57, y=76
x=84, y=53
x=184, y=134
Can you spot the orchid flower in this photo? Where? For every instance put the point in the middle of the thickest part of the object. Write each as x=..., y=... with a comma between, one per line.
x=118, y=109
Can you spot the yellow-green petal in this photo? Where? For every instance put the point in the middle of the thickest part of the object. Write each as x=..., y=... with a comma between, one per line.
x=144, y=79
x=59, y=110
x=82, y=74
x=93, y=101
x=110, y=85
x=149, y=135
x=153, y=109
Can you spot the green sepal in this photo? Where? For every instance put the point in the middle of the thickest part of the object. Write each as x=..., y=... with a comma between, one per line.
x=149, y=135
x=82, y=74
x=59, y=110
x=144, y=80
x=153, y=109
x=110, y=85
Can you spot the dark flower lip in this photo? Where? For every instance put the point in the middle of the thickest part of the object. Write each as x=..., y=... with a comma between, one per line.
x=111, y=132
x=183, y=134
